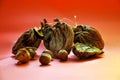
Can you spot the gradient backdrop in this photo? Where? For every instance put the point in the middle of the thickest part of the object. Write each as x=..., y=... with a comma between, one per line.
x=17, y=16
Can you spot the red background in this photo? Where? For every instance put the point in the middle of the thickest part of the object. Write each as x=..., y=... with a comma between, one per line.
x=17, y=16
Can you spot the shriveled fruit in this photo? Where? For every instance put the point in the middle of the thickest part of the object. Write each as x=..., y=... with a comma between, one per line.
x=25, y=54
x=30, y=38
x=88, y=35
x=57, y=37
x=84, y=51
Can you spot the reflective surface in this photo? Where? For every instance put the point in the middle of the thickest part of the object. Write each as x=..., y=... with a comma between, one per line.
x=19, y=16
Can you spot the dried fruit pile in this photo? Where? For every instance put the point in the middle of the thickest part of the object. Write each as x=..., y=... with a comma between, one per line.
x=59, y=39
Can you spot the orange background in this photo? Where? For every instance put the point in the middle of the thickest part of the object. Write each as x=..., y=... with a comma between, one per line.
x=17, y=16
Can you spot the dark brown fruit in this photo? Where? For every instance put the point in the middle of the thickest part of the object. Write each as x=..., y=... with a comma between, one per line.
x=30, y=38
x=84, y=51
x=88, y=35
x=57, y=37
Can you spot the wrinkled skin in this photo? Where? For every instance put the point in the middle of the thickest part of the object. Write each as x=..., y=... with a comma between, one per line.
x=57, y=37
x=29, y=38
x=88, y=35
x=84, y=51
x=88, y=42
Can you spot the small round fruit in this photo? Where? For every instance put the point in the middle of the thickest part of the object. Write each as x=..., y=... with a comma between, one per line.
x=23, y=55
x=45, y=58
x=63, y=55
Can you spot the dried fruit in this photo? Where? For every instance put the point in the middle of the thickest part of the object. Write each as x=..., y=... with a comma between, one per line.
x=45, y=57
x=27, y=44
x=32, y=51
x=63, y=55
x=30, y=38
x=88, y=35
x=88, y=42
x=57, y=37
x=25, y=54
x=84, y=51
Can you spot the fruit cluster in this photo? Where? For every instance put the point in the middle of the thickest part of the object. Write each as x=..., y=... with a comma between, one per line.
x=59, y=39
